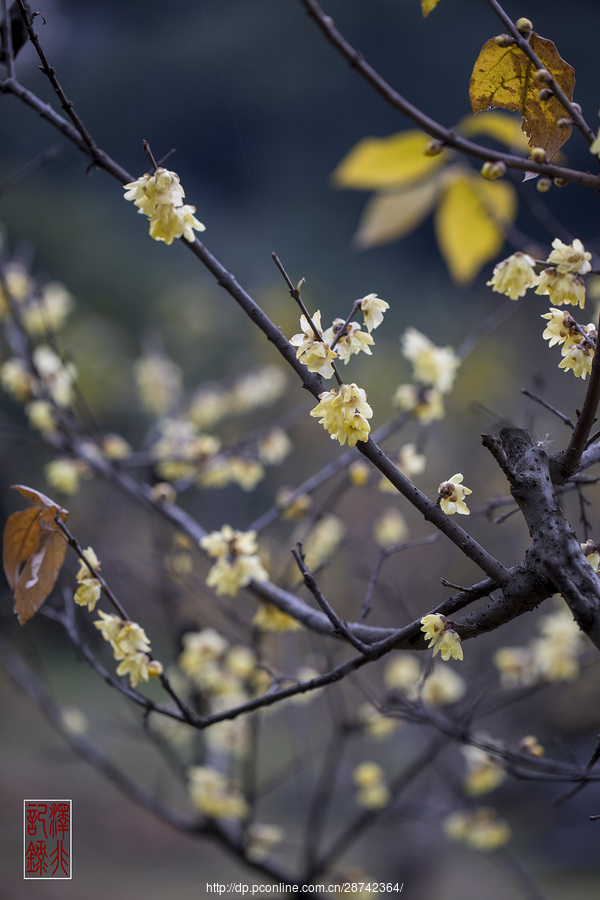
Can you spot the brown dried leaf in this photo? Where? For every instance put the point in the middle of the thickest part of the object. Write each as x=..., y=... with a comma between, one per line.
x=503, y=77
x=34, y=549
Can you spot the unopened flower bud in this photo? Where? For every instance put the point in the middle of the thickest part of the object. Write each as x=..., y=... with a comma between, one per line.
x=493, y=170
x=538, y=154
x=543, y=185
x=545, y=94
x=433, y=148
x=504, y=40
x=576, y=107
x=524, y=26
x=560, y=182
x=163, y=492
x=154, y=668
x=542, y=75
x=564, y=123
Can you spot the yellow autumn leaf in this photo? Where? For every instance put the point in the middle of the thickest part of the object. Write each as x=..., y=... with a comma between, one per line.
x=393, y=161
x=503, y=77
x=428, y=6
x=389, y=215
x=500, y=126
x=469, y=222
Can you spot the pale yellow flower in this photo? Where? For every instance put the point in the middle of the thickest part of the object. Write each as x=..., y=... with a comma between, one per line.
x=402, y=673
x=442, y=686
x=452, y=493
x=513, y=276
x=484, y=772
x=159, y=197
x=480, y=828
x=57, y=377
x=322, y=541
x=373, y=308
x=274, y=447
x=433, y=625
x=64, y=474
x=561, y=327
x=390, y=529
x=449, y=645
x=136, y=665
x=374, y=723
x=260, y=840
x=131, y=639
x=268, y=618
x=351, y=341
x=213, y=795
x=562, y=287
x=17, y=380
x=515, y=665
x=373, y=792
x=359, y=473
x=312, y=351
x=578, y=358
x=570, y=257
x=425, y=404
x=158, y=380
x=432, y=366
x=41, y=416
x=590, y=549
x=200, y=648
x=344, y=413
x=595, y=145
x=108, y=625
x=530, y=744
x=441, y=636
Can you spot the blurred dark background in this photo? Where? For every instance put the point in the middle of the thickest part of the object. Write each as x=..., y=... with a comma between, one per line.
x=260, y=111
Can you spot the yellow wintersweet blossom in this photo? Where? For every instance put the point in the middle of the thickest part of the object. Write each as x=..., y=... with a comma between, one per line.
x=443, y=686
x=590, y=549
x=16, y=379
x=514, y=275
x=65, y=474
x=390, y=529
x=130, y=646
x=260, y=840
x=578, y=358
x=484, y=772
x=433, y=366
x=373, y=308
x=350, y=339
x=441, y=636
x=452, y=494
x=561, y=327
x=425, y=404
x=312, y=350
x=56, y=376
x=562, y=287
x=89, y=590
x=344, y=413
x=375, y=724
x=479, y=828
x=237, y=560
x=268, y=618
x=159, y=197
x=570, y=257
x=516, y=667
x=373, y=792
x=212, y=795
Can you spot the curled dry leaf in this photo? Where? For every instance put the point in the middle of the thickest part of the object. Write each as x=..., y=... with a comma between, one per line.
x=503, y=77
x=34, y=548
